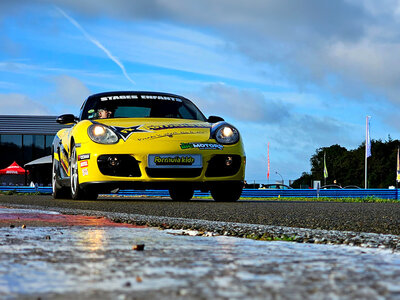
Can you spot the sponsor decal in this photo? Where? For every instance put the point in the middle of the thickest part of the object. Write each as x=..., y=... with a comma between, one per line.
x=169, y=134
x=175, y=126
x=144, y=97
x=11, y=172
x=202, y=146
x=83, y=157
x=84, y=164
x=177, y=160
x=126, y=132
x=158, y=97
x=118, y=97
x=85, y=172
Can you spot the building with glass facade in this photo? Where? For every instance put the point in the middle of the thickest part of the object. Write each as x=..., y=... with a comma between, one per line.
x=26, y=138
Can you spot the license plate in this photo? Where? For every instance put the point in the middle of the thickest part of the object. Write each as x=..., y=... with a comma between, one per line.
x=175, y=161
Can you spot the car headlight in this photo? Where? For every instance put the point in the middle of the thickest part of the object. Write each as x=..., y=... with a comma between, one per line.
x=226, y=134
x=102, y=134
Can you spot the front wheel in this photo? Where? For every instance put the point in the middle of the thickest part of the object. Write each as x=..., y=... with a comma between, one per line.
x=227, y=191
x=181, y=193
x=77, y=192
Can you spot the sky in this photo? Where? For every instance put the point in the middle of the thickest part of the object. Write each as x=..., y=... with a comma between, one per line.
x=299, y=75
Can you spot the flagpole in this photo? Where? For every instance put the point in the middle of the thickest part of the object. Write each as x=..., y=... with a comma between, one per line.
x=366, y=157
x=397, y=168
x=367, y=150
x=268, y=164
x=366, y=162
x=325, y=169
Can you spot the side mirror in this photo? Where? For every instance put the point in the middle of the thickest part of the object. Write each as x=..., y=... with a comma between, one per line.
x=214, y=119
x=67, y=119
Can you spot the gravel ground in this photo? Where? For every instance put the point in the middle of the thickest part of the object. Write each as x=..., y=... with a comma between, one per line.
x=295, y=234
x=246, y=230
x=358, y=217
x=92, y=262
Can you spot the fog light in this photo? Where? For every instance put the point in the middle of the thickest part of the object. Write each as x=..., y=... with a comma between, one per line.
x=113, y=161
x=228, y=161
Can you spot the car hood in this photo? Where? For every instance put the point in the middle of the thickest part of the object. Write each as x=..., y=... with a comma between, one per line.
x=141, y=129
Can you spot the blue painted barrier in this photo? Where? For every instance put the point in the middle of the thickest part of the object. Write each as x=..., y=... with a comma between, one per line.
x=27, y=189
x=247, y=193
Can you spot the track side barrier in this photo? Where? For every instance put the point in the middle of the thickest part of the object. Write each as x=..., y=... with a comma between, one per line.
x=247, y=193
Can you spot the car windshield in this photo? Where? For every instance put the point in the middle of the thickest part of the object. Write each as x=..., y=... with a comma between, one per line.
x=141, y=106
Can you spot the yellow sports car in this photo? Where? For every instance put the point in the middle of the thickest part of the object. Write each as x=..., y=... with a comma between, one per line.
x=146, y=140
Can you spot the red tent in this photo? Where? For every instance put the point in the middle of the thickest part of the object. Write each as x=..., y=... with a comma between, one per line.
x=13, y=169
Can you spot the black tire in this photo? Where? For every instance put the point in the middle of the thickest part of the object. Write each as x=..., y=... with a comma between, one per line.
x=181, y=193
x=227, y=191
x=77, y=192
x=59, y=192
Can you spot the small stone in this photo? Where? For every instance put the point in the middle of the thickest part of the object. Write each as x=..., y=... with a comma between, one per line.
x=127, y=284
x=23, y=226
x=48, y=237
x=139, y=247
x=183, y=292
x=12, y=226
x=139, y=279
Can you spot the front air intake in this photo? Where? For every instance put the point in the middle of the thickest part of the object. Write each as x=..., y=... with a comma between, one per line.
x=123, y=165
x=223, y=165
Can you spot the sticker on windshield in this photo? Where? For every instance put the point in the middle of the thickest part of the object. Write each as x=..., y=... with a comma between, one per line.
x=159, y=97
x=144, y=97
x=118, y=97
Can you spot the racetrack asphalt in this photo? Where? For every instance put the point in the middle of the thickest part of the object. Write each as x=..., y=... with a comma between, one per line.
x=357, y=217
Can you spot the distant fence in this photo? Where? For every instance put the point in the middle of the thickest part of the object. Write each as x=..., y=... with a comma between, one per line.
x=247, y=193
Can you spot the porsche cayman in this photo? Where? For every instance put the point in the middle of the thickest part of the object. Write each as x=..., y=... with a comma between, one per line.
x=146, y=140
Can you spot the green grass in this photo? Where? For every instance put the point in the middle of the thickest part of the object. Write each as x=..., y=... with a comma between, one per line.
x=268, y=237
x=369, y=199
x=13, y=192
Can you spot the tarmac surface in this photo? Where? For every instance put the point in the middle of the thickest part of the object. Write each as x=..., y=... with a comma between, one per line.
x=357, y=217
x=58, y=256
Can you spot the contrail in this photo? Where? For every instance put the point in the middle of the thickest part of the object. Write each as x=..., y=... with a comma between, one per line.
x=96, y=42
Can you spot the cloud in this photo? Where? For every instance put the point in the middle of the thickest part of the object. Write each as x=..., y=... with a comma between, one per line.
x=356, y=42
x=18, y=104
x=242, y=105
x=69, y=90
x=272, y=115
x=97, y=44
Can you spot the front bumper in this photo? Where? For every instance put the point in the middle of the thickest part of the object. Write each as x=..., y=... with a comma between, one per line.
x=134, y=170
x=108, y=186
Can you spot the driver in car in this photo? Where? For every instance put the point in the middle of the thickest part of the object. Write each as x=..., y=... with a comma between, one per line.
x=103, y=113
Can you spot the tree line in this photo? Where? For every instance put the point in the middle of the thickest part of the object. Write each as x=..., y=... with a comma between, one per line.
x=347, y=167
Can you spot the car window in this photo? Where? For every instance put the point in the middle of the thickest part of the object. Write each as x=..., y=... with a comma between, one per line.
x=131, y=112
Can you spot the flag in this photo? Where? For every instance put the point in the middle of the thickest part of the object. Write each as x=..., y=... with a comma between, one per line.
x=398, y=166
x=325, y=169
x=367, y=139
x=268, y=163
